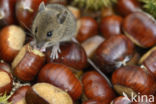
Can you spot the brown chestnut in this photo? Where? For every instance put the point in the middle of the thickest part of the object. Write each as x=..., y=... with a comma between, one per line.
x=7, y=16
x=91, y=44
x=148, y=61
x=11, y=41
x=140, y=28
x=121, y=100
x=6, y=82
x=113, y=53
x=111, y=25
x=62, y=2
x=26, y=10
x=72, y=54
x=19, y=95
x=107, y=11
x=27, y=63
x=62, y=77
x=133, y=80
x=44, y=93
x=88, y=27
x=97, y=88
x=125, y=7
x=134, y=59
x=92, y=102
x=5, y=66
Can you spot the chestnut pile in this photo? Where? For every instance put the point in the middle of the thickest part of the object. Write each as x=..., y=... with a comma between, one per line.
x=119, y=39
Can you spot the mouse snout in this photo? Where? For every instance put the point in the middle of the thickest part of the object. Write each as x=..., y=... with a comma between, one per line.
x=40, y=44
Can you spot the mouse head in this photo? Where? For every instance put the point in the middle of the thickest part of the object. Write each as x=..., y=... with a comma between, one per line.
x=48, y=26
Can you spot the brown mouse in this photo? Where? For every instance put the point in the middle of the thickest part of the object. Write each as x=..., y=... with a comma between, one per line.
x=53, y=24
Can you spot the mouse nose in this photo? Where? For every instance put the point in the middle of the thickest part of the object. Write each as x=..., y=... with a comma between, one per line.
x=40, y=44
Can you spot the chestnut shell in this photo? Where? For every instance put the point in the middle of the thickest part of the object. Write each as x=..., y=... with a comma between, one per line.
x=140, y=28
x=135, y=78
x=72, y=54
x=97, y=88
x=111, y=25
x=62, y=77
x=112, y=53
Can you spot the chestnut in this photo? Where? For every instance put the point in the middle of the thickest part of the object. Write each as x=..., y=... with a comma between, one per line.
x=72, y=54
x=121, y=100
x=75, y=11
x=7, y=16
x=11, y=41
x=92, y=102
x=140, y=28
x=134, y=59
x=88, y=27
x=27, y=63
x=18, y=96
x=133, y=79
x=6, y=82
x=44, y=93
x=111, y=25
x=97, y=88
x=26, y=10
x=113, y=53
x=126, y=7
x=107, y=11
x=5, y=66
x=148, y=61
x=62, y=77
x=91, y=44
x=62, y=2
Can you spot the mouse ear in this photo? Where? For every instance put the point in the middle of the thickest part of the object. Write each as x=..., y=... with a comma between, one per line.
x=61, y=17
x=41, y=6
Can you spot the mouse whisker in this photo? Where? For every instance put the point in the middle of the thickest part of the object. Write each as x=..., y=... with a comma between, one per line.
x=27, y=28
x=29, y=34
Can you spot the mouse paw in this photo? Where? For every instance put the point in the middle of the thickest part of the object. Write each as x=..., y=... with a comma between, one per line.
x=55, y=52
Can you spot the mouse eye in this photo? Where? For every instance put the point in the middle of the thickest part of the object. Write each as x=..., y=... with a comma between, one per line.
x=36, y=29
x=49, y=34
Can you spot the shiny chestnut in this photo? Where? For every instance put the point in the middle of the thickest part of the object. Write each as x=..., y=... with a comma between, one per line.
x=11, y=41
x=133, y=79
x=72, y=54
x=62, y=77
x=140, y=28
x=18, y=96
x=5, y=66
x=62, y=2
x=91, y=44
x=44, y=93
x=97, y=88
x=92, y=102
x=88, y=27
x=111, y=25
x=7, y=16
x=27, y=63
x=126, y=7
x=121, y=100
x=107, y=11
x=113, y=53
x=6, y=82
x=148, y=61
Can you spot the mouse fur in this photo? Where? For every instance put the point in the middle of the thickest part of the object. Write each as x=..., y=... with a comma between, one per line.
x=55, y=19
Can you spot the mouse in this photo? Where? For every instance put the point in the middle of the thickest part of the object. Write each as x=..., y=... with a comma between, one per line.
x=53, y=24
